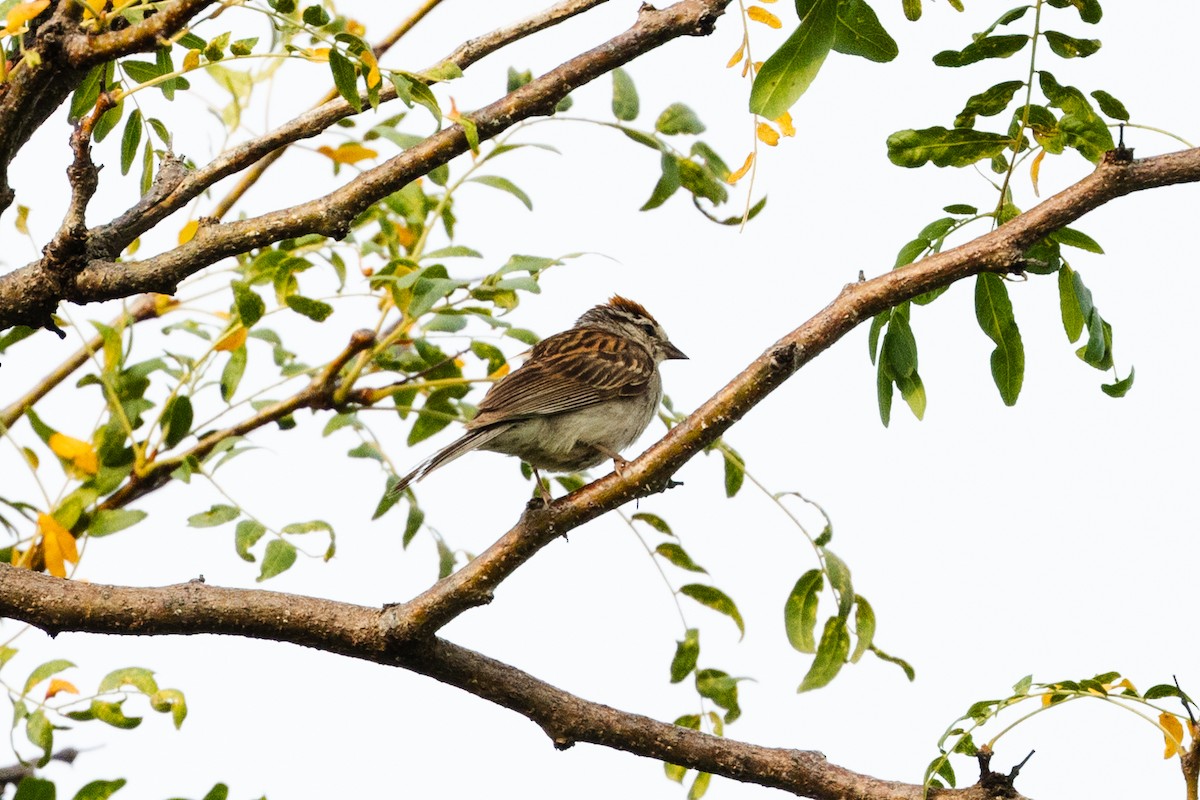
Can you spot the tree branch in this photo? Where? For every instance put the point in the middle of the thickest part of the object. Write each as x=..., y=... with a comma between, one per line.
x=1000, y=251
x=84, y=50
x=57, y=605
x=25, y=297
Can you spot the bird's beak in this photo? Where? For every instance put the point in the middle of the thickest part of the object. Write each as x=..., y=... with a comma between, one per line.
x=671, y=351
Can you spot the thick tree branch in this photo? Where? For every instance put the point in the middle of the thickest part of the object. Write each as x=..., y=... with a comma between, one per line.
x=999, y=251
x=57, y=605
x=83, y=50
x=26, y=298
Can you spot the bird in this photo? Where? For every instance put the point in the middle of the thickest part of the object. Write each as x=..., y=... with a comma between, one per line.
x=581, y=397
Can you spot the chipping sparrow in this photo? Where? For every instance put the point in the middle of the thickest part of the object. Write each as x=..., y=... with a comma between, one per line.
x=581, y=397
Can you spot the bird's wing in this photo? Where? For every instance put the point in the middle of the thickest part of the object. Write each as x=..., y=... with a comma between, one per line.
x=570, y=370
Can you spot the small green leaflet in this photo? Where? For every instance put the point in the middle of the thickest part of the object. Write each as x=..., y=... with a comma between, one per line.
x=993, y=310
x=715, y=599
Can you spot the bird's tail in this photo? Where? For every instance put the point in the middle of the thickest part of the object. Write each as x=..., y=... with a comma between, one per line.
x=464, y=444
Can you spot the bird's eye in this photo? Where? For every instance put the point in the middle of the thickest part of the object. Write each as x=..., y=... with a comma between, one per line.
x=649, y=330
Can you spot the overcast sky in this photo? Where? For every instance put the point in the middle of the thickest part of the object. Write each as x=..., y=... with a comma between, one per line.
x=1056, y=538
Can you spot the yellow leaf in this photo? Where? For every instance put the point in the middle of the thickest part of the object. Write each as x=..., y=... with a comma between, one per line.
x=760, y=14
x=1172, y=734
x=31, y=457
x=500, y=372
x=164, y=303
x=784, y=121
x=737, y=176
x=80, y=454
x=22, y=220
x=355, y=27
x=21, y=13
x=232, y=340
x=1124, y=684
x=188, y=231
x=134, y=246
x=58, y=545
x=347, y=153
x=317, y=54
x=767, y=134
x=738, y=56
x=1035, y=169
x=92, y=9
x=373, y=77
x=191, y=60
x=59, y=685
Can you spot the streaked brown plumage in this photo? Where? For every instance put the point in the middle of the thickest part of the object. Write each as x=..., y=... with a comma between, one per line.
x=582, y=396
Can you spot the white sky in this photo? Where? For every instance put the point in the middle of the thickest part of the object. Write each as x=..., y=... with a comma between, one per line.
x=1056, y=538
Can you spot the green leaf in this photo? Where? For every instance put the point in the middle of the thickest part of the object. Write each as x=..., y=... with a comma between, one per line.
x=138, y=677
x=44, y=671
x=686, y=654
x=1069, y=47
x=912, y=389
x=231, y=376
x=250, y=305
x=800, y=611
x=279, y=557
x=316, y=310
x=715, y=599
x=219, y=791
x=859, y=33
x=218, y=514
x=112, y=714
x=699, y=785
x=99, y=790
x=678, y=556
x=246, y=535
x=172, y=701
x=654, y=521
x=987, y=47
x=1110, y=106
x=31, y=788
x=735, y=473
x=957, y=147
x=1120, y=388
x=789, y=71
x=106, y=521
x=678, y=118
x=505, y=185
x=993, y=310
x=345, y=78
x=961, y=208
x=177, y=420
x=883, y=389
x=839, y=581
x=1073, y=238
x=721, y=688
x=988, y=103
x=1089, y=10
x=131, y=137
x=912, y=10
x=864, y=627
x=625, y=104
x=667, y=184
x=1161, y=690
x=86, y=93
x=674, y=772
x=412, y=524
x=900, y=347
x=316, y=16
x=437, y=413
x=831, y=654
